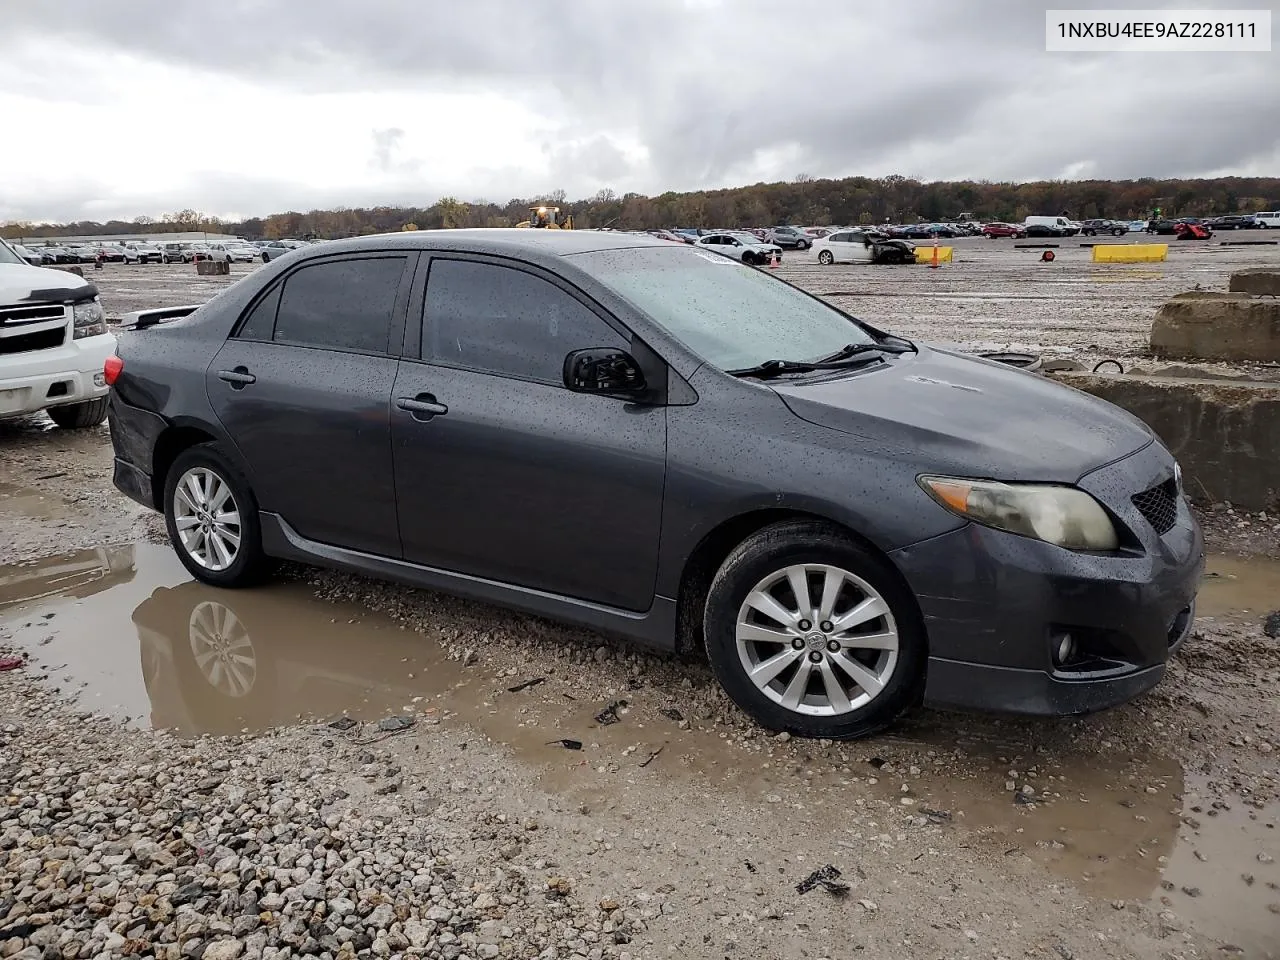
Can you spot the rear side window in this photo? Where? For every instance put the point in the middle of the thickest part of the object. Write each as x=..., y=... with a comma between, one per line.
x=505, y=321
x=340, y=304
x=261, y=322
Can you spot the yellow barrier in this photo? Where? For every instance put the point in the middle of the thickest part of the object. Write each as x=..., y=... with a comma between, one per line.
x=924, y=254
x=1130, y=252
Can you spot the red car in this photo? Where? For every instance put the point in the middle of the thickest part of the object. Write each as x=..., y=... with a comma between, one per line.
x=1191, y=231
x=994, y=230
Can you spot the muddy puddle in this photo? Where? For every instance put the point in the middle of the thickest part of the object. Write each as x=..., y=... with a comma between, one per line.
x=125, y=632
x=1239, y=587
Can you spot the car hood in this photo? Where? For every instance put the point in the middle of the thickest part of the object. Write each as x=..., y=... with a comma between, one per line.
x=22, y=283
x=966, y=416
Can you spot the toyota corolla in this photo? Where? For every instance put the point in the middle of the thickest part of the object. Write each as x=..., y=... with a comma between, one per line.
x=657, y=442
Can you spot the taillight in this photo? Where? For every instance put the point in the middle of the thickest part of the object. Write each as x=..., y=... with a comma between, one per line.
x=111, y=369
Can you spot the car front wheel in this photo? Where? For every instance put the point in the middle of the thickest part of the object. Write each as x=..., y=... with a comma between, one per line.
x=813, y=634
x=212, y=519
x=826, y=258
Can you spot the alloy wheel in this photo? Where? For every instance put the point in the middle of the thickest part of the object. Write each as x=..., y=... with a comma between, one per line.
x=817, y=639
x=207, y=518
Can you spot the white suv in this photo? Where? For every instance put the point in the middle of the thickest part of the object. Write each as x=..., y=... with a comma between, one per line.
x=53, y=344
x=232, y=252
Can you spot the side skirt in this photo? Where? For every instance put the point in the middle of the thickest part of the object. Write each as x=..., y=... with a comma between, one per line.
x=654, y=628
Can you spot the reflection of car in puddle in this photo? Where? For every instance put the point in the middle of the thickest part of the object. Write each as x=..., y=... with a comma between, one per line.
x=75, y=575
x=222, y=661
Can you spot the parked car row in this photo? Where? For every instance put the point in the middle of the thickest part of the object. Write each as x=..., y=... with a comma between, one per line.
x=138, y=251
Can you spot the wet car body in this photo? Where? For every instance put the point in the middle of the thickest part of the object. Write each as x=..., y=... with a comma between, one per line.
x=617, y=512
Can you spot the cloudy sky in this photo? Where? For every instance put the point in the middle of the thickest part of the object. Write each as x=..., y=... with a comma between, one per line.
x=247, y=107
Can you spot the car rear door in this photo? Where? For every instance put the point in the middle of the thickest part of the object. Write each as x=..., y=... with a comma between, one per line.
x=501, y=471
x=303, y=388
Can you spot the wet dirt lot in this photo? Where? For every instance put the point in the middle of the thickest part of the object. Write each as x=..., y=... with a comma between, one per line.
x=1148, y=831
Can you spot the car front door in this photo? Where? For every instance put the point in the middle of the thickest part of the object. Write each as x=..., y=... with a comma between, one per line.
x=501, y=471
x=303, y=389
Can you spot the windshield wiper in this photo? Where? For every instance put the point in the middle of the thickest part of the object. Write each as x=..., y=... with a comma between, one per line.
x=851, y=350
x=772, y=368
x=775, y=368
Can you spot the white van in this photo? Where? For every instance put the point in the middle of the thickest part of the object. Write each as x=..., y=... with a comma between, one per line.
x=1268, y=219
x=1051, y=226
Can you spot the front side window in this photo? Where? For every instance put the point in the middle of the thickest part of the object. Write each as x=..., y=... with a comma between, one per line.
x=505, y=321
x=731, y=315
x=340, y=304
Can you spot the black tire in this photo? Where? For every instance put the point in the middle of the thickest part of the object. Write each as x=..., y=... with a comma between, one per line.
x=250, y=565
x=1090, y=233
x=802, y=245
x=265, y=258
x=78, y=416
x=1118, y=233
x=749, y=258
x=800, y=541
x=826, y=258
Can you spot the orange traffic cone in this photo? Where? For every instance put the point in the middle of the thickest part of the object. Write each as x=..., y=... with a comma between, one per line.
x=773, y=261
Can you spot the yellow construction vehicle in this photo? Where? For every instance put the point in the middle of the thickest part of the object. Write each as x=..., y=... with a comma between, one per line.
x=548, y=218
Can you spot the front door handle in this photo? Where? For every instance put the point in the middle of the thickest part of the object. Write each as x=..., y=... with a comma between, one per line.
x=239, y=378
x=423, y=406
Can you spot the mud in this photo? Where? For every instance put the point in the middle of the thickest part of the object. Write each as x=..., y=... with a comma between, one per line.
x=124, y=632
x=1239, y=587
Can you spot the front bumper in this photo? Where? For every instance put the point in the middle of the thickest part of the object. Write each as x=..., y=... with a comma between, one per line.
x=993, y=604
x=34, y=381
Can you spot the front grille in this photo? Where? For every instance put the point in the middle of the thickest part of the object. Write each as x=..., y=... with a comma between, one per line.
x=24, y=342
x=1159, y=505
x=12, y=316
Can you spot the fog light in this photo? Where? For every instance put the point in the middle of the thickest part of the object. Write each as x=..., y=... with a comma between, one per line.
x=1064, y=648
x=99, y=379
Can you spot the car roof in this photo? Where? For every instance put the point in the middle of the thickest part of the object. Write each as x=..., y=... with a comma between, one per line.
x=495, y=240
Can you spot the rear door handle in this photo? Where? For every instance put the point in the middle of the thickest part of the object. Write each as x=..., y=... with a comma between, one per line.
x=238, y=378
x=423, y=406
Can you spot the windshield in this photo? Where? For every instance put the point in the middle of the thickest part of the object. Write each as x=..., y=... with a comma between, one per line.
x=8, y=254
x=731, y=315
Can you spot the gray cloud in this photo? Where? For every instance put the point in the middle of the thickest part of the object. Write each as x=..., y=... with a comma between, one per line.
x=707, y=86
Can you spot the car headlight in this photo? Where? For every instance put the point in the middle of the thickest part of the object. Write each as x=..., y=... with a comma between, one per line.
x=88, y=319
x=1064, y=516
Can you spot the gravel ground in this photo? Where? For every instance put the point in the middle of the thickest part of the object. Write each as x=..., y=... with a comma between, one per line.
x=679, y=831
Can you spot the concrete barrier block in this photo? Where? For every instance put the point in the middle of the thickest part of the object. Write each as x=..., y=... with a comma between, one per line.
x=1130, y=252
x=1224, y=433
x=1232, y=326
x=213, y=268
x=1259, y=281
x=924, y=254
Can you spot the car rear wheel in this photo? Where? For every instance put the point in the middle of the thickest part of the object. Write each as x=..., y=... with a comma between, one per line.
x=78, y=416
x=212, y=519
x=802, y=245
x=813, y=634
x=826, y=258
x=1117, y=233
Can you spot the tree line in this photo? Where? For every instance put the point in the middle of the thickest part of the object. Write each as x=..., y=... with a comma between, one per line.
x=804, y=200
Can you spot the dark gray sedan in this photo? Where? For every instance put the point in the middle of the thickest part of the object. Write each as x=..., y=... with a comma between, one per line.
x=656, y=442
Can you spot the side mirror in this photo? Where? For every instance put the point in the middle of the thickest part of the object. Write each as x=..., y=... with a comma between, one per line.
x=603, y=370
